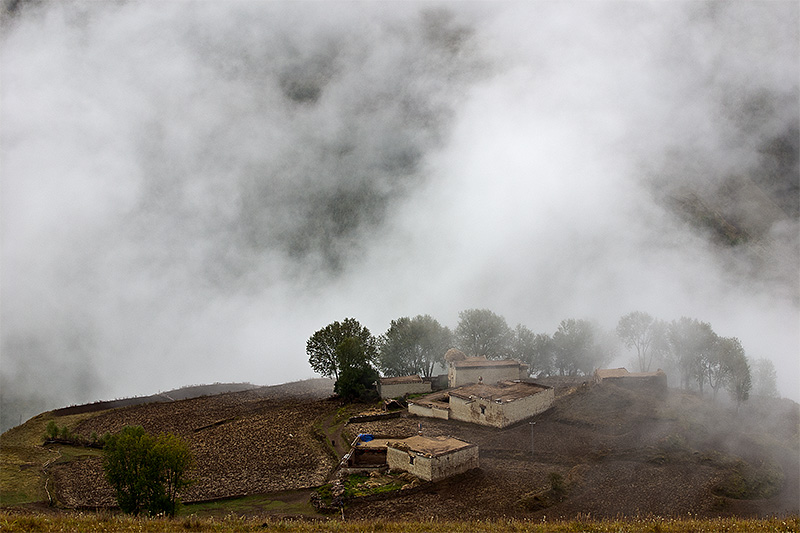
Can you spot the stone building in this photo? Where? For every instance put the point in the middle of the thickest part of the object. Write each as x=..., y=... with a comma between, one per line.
x=432, y=458
x=462, y=370
x=643, y=381
x=400, y=386
x=498, y=405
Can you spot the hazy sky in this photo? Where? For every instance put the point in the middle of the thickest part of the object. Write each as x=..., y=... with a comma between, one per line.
x=191, y=189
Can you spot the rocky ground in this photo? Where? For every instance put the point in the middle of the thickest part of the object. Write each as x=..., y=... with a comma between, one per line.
x=619, y=453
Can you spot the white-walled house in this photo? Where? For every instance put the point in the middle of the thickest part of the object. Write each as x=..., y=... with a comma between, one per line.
x=432, y=458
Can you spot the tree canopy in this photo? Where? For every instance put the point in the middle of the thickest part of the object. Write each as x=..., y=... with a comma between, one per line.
x=413, y=346
x=146, y=472
x=322, y=347
x=483, y=332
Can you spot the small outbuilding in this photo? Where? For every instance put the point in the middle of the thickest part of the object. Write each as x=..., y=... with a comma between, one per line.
x=642, y=381
x=397, y=387
x=432, y=458
x=462, y=371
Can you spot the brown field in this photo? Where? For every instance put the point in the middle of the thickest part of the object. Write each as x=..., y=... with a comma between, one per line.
x=621, y=454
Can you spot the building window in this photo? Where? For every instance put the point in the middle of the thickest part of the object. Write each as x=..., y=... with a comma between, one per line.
x=483, y=409
x=411, y=459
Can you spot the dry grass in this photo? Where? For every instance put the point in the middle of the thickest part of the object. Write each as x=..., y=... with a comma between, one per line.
x=22, y=458
x=105, y=522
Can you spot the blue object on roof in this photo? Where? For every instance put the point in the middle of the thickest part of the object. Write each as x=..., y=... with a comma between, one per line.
x=365, y=438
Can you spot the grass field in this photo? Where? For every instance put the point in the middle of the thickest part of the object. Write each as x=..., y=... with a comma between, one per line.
x=107, y=522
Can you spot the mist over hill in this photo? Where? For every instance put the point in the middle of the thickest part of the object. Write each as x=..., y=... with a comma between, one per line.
x=191, y=189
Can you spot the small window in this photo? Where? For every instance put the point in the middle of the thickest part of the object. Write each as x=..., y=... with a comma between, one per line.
x=483, y=409
x=411, y=459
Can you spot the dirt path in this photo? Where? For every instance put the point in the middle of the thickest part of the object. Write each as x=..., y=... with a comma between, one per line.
x=333, y=432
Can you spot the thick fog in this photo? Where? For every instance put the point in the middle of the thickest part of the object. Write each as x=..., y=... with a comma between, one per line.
x=191, y=189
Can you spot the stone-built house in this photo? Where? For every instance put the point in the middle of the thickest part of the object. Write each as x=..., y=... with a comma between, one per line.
x=398, y=387
x=462, y=370
x=498, y=405
x=644, y=381
x=432, y=458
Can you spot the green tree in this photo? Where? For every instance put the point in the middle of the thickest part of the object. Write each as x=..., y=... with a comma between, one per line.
x=357, y=376
x=765, y=378
x=321, y=347
x=175, y=459
x=482, y=332
x=413, y=346
x=146, y=472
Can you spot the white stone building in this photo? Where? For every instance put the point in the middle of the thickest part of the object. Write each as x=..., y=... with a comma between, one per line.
x=432, y=458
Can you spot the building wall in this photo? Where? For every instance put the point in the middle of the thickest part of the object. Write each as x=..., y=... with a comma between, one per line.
x=401, y=389
x=433, y=468
x=490, y=413
x=464, y=376
x=430, y=412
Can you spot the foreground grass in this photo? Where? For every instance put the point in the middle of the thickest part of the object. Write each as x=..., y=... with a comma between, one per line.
x=106, y=522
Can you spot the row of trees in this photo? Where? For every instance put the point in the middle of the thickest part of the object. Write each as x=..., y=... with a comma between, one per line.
x=686, y=348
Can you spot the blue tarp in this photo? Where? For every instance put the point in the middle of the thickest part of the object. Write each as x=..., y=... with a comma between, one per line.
x=364, y=437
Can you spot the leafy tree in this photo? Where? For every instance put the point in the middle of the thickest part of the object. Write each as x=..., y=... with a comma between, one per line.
x=641, y=331
x=534, y=349
x=146, y=472
x=739, y=383
x=174, y=459
x=691, y=343
x=413, y=346
x=357, y=376
x=482, y=332
x=579, y=347
x=764, y=378
x=321, y=347
x=129, y=469
x=722, y=363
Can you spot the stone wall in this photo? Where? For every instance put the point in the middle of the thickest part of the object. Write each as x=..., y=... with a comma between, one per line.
x=399, y=390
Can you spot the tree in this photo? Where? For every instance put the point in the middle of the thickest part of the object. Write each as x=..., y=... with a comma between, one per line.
x=739, y=382
x=641, y=331
x=175, y=459
x=321, y=347
x=533, y=349
x=146, y=472
x=719, y=364
x=765, y=378
x=690, y=344
x=357, y=376
x=579, y=347
x=482, y=332
x=413, y=346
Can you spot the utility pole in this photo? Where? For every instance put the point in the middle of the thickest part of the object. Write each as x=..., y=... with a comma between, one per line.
x=532, y=424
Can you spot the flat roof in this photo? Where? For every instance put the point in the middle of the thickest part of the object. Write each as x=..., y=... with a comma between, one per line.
x=476, y=362
x=431, y=446
x=603, y=373
x=401, y=379
x=504, y=391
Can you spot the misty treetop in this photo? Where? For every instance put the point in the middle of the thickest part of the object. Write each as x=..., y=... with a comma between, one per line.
x=413, y=346
x=687, y=349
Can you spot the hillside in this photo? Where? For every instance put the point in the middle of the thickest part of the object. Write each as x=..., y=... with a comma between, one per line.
x=619, y=452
